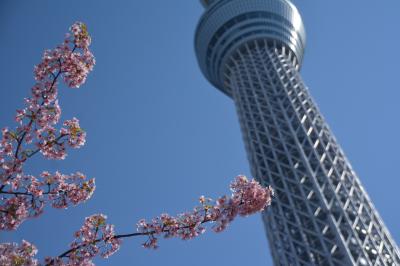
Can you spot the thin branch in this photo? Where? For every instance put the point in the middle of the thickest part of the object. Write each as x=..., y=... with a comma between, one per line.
x=22, y=193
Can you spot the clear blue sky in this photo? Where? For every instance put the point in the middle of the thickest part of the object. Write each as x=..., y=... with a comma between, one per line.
x=159, y=135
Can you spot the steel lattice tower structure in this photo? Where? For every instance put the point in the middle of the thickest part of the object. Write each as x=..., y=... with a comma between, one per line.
x=252, y=51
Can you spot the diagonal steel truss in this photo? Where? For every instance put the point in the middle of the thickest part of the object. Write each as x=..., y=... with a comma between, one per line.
x=322, y=214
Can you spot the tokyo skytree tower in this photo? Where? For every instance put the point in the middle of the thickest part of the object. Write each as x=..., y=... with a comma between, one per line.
x=252, y=50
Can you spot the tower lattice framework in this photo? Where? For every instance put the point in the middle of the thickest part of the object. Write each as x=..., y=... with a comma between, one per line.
x=321, y=215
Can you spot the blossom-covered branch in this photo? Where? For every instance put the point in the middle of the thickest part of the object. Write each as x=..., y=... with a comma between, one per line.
x=96, y=237
x=21, y=195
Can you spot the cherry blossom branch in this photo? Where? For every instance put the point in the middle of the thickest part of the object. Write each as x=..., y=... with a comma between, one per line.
x=96, y=237
x=150, y=233
x=23, y=196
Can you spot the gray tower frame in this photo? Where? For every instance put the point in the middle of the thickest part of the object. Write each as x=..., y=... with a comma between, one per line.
x=252, y=50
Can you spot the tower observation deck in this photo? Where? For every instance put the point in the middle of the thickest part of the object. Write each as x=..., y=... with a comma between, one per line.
x=252, y=51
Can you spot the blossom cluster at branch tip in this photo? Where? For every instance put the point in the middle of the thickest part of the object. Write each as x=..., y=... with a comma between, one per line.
x=72, y=59
x=23, y=196
x=76, y=135
x=14, y=255
x=248, y=197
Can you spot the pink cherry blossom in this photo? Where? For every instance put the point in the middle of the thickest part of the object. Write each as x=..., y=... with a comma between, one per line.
x=74, y=66
x=60, y=262
x=50, y=143
x=12, y=212
x=81, y=38
x=95, y=237
x=76, y=136
x=13, y=255
x=68, y=190
x=249, y=196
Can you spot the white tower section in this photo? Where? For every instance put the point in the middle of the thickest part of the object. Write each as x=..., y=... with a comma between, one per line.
x=251, y=50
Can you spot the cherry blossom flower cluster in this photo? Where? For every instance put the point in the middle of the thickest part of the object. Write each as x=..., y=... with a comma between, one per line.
x=30, y=194
x=72, y=58
x=95, y=237
x=248, y=197
x=12, y=255
x=23, y=196
x=77, y=136
x=52, y=144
